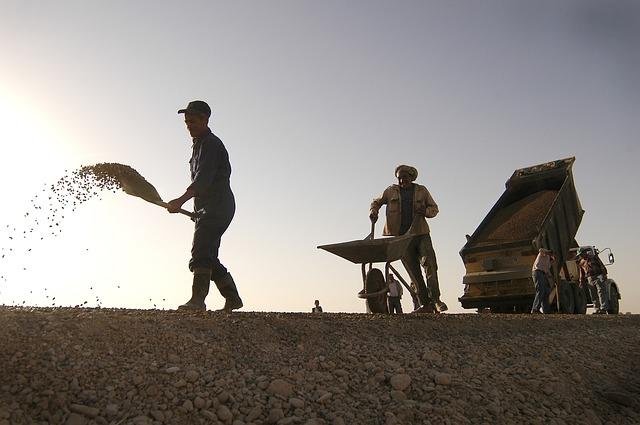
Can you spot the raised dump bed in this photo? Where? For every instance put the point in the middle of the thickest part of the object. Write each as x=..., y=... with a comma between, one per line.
x=538, y=209
x=517, y=221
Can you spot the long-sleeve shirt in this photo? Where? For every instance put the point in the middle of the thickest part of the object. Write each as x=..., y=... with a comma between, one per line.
x=210, y=173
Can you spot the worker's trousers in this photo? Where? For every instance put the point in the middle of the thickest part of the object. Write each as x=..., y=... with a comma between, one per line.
x=542, y=292
x=206, y=240
x=423, y=254
x=395, y=306
x=599, y=291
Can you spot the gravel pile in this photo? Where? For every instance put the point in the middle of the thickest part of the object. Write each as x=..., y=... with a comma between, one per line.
x=519, y=220
x=81, y=366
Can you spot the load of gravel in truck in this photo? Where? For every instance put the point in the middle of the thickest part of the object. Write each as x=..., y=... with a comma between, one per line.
x=519, y=220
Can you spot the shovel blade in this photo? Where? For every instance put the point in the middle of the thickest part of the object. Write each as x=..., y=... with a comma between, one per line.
x=138, y=186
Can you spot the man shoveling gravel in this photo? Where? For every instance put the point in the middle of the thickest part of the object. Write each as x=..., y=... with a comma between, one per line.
x=215, y=205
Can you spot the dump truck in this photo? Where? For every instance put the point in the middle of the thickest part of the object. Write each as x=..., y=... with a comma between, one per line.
x=539, y=208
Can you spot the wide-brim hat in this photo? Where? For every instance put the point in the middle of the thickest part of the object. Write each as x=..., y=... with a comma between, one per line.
x=413, y=173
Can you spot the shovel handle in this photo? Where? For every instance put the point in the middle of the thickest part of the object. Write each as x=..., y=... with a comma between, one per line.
x=181, y=211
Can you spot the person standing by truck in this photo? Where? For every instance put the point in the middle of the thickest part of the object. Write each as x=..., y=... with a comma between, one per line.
x=594, y=272
x=394, y=296
x=541, y=274
x=215, y=205
x=408, y=206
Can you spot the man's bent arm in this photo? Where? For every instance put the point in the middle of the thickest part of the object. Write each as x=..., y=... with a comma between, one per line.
x=432, y=208
x=581, y=275
x=377, y=203
x=177, y=203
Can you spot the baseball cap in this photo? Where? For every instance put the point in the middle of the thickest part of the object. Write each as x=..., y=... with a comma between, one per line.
x=197, y=107
x=582, y=250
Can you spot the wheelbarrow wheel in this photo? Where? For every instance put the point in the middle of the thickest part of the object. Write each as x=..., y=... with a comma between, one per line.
x=374, y=282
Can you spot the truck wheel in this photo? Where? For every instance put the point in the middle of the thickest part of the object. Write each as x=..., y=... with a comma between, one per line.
x=375, y=282
x=614, y=302
x=579, y=299
x=567, y=303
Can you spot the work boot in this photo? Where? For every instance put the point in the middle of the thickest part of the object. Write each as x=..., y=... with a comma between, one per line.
x=427, y=308
x=441, y=306
x=228, y=290
x=199, y=290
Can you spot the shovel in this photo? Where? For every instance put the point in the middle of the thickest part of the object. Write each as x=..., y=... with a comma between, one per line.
x=141, y=188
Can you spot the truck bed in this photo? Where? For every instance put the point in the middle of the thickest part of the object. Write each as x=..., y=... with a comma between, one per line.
x=517, y=221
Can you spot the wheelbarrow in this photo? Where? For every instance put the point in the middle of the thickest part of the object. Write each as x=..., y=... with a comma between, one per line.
x=369, y=251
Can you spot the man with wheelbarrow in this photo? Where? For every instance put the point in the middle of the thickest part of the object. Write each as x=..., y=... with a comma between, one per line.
x=408, y=206
x=215, y=205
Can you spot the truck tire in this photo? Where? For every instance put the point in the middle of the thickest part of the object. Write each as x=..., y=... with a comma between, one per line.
x=579, y=299
x=567, y=303
x=374, y=282
x=614, y=302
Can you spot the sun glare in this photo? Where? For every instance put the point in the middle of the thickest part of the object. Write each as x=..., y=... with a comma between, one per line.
x=28, y=142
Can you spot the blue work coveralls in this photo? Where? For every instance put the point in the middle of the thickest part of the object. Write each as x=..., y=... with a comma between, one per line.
x=214, y=202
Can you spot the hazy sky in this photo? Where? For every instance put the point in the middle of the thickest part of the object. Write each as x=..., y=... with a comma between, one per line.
x=317, y=102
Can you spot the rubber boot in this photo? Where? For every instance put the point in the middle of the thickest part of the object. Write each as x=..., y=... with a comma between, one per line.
x=426, y=308
x=228, y=290
x=199, y=290
x=441, y=306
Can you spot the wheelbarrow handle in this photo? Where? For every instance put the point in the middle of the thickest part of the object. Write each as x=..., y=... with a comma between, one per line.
x=181, y=211
x=371, y=235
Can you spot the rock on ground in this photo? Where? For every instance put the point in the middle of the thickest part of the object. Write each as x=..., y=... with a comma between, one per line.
x=84, y=366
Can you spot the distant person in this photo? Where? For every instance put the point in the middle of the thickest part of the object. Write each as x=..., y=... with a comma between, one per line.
x=541, y=274
x=394, y=296
x=317, y=308
x=215, y=205
x=594, y=272
x=408, y=206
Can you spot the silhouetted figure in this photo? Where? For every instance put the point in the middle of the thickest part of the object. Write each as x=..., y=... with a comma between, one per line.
x=408, y=206
x=594, y=273
x=215, y=205
x=541, y=274
x=394, y=296
x=317, y=308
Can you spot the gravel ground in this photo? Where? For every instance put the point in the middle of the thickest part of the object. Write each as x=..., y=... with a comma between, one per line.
x=87, y=366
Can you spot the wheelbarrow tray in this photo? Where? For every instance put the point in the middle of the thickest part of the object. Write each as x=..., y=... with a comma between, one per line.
x=372, y=250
